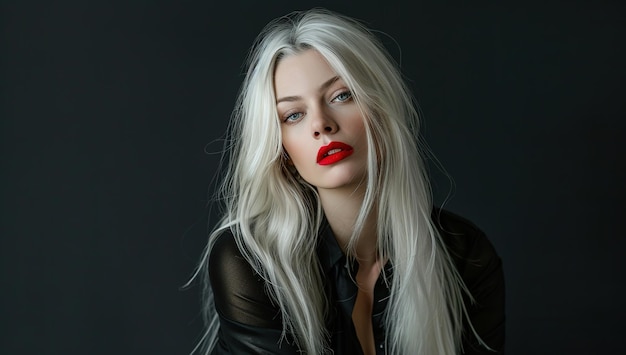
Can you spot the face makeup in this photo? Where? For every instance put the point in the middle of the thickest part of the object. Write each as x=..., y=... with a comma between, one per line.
x=333, y=152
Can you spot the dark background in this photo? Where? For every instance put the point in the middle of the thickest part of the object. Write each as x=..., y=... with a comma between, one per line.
x=111, y=120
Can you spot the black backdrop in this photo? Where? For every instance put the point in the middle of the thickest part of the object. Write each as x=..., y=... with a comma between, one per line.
x=111, y=116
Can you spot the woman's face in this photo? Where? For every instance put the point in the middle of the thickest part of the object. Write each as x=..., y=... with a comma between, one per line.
x=322, y=128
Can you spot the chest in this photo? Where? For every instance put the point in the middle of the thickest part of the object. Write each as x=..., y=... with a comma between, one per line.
x=356, y=314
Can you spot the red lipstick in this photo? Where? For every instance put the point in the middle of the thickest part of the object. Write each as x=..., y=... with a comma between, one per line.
x=333, y=152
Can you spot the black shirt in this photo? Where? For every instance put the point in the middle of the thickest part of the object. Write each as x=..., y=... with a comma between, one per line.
x=250, y=323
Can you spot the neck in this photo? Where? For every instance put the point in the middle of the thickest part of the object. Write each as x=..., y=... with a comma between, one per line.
x=342, y=207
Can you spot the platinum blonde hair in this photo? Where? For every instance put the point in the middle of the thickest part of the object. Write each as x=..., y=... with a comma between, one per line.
x=277, y=216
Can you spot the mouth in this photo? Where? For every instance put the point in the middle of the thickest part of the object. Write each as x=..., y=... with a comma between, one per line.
x=333, y=152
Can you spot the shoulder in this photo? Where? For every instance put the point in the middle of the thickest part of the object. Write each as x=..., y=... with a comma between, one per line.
x=227, y=262
x=453, y=226
x=224, y=251
x=228, y=268
x=480, y=268
x=466, y=243
x=239, y=291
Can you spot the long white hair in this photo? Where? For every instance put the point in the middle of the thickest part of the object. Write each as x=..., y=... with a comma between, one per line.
x=276, y=216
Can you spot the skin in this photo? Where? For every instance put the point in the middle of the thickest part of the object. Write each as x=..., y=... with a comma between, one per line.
x=315, y=107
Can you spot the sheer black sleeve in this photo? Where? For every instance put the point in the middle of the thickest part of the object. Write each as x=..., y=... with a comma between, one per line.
x=249, y=322
x=480, y=267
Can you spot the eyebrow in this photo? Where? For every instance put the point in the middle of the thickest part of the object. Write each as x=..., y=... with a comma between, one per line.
x=323, y=87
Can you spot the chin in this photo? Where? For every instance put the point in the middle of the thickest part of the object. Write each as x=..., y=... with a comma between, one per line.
x=341, y=183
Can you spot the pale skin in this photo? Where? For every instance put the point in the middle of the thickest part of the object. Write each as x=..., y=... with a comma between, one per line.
x=315, y=107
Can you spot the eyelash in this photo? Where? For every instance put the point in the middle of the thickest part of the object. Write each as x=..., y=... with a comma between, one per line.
x=335, y=99
x=347, y=92
x=286, y=120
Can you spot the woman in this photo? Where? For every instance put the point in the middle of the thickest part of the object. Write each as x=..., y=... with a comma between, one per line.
x=329, y=241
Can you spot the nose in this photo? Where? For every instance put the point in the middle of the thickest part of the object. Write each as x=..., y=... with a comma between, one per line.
x=323, y=123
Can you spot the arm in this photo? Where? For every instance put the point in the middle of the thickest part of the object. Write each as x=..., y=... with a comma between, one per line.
x=249, y=321
x=485, y=281
x=480, y=267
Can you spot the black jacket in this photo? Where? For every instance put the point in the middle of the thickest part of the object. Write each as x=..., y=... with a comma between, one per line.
x=250, y=323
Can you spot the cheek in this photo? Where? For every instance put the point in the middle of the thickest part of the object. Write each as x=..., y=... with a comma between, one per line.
x=357, y=127
x=351, y=116
x=293, y=146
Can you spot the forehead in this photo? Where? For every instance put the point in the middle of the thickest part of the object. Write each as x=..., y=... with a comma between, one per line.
x=299, y=74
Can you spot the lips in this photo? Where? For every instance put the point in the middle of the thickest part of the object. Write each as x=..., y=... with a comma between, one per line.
x=333, y=152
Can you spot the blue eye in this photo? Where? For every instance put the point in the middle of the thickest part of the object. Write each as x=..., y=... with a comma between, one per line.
x=344, y=96
x=293, y=117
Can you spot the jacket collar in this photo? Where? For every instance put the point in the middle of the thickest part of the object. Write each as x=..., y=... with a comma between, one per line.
x=328, y=249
